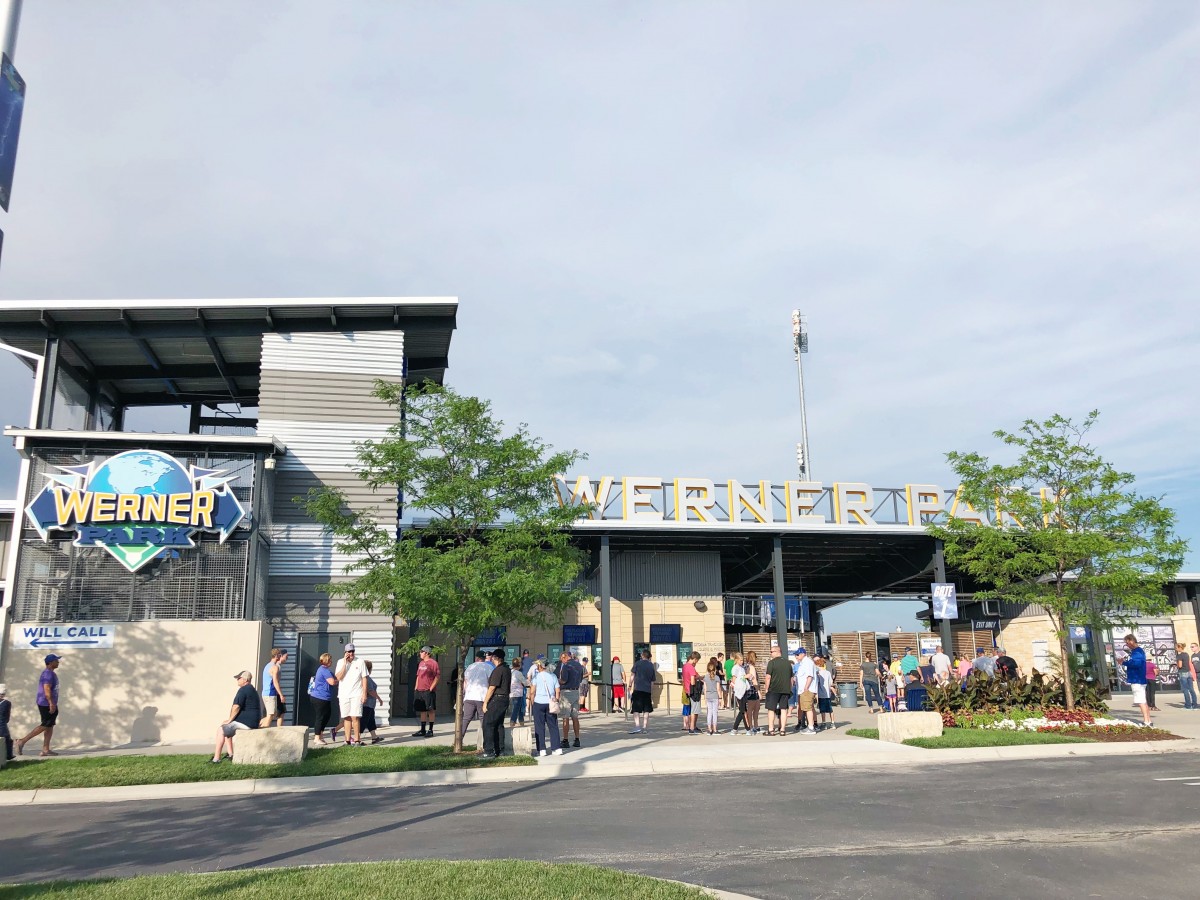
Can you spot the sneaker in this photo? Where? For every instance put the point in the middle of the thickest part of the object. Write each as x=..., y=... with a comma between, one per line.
x=575, y=743
x=215, y=762
x=420, y=733
x=487, y=756
x=809, y=731
x=564, y=745
x=636, y=731
x=558, y=752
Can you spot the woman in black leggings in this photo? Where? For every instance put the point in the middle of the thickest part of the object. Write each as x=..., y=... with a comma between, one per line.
x=321, y=695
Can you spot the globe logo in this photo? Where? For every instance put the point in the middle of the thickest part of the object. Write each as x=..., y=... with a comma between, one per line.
x=139, y=505
x=140, y=472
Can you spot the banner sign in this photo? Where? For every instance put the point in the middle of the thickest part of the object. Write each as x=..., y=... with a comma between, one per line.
x=63, y=636
x=496, y=636
x=945, y=601
x=666, y=634
x=579, y=634
x=138, y=506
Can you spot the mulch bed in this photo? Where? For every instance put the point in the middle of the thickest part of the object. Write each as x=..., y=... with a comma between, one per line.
x=1134, y=736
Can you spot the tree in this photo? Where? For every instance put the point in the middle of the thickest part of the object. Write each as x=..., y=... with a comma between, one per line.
x=1068, y=531
x=496, y=549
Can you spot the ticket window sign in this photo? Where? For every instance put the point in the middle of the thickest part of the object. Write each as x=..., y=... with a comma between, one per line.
x=574, y=635
x=666, y=634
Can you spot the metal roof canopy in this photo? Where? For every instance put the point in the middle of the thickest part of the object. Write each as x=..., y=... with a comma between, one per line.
x=833, y=565
x=175, y=352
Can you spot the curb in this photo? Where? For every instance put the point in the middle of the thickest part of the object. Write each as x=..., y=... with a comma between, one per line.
x=569, y=771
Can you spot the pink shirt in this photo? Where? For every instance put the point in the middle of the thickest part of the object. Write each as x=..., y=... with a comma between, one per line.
x=689, y=675
x=964, y=668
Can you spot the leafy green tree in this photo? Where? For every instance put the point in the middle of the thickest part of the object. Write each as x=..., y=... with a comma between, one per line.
x=1068, y=531
x=495, y=550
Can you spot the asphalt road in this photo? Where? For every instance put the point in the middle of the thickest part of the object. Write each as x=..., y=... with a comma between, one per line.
x=1073, y=828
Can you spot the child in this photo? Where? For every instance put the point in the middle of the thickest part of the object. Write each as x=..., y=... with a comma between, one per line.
x=824, y=695
x=893, y=685
x=368, y=716
x=712, y=692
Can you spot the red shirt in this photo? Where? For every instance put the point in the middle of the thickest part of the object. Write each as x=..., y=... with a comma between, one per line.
x=689, y=675
x=427, y=673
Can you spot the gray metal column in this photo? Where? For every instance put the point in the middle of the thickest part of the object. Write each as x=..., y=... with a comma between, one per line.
x=10, y=21
x=780, y=602
x=939, y=573
x=606, y=646
x=45, y=412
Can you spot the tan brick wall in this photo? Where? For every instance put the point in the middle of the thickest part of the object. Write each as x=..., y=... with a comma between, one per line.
x=1185, y=629
x=1017, y=637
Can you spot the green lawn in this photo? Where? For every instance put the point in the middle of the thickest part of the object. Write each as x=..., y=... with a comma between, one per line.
x=427, y=879
x=119, y=771
x=953, y=738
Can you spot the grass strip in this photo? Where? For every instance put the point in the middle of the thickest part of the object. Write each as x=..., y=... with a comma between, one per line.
x=504, y=879
x=872, y=733
x=955, y=738
x=123, y=771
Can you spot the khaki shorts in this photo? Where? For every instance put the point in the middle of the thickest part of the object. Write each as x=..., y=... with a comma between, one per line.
x=568, y=704
x=351, y=707
x=1139, y=694
x=271, y=704
x=807, y=701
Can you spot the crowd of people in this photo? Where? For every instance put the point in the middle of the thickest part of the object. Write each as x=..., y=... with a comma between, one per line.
x=888, y=683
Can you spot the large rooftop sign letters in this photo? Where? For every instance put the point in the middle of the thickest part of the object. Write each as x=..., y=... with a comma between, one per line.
x=700, y=501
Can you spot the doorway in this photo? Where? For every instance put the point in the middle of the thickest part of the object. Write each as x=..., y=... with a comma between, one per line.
x=311, y=648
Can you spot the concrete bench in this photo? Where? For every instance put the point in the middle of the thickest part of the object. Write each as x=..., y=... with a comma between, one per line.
x=898, y=727
x=522, y=739
x=284, y=744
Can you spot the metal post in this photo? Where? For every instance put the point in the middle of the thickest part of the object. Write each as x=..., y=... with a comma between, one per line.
x=606, y=644
x=1189, y=592
x=800, y=345
x=10, y=20
x=780, y=602
x=939, y=574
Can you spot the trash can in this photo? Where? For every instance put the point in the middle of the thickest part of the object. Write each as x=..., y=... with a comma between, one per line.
x=848, y=694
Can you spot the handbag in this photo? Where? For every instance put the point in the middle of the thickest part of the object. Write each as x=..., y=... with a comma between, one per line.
x=312, y=684
x=696, y=694
x=554, y=706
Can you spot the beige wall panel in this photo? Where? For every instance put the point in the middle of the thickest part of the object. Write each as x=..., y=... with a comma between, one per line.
x=322, y=397
x=1017, y=637
x=1185, y=629
x=163, y=681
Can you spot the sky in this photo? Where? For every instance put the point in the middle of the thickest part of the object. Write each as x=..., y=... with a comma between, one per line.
x=986, y=212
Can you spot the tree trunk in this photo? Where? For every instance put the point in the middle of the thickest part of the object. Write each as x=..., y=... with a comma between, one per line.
x=1064, y=649
x=458, y=695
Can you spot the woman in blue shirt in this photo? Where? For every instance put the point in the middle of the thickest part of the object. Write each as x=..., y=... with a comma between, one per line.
x=544, y=692
x=320, y=692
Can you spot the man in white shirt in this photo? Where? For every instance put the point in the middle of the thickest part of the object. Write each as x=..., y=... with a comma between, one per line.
x=475, y=685
x=806, y=691
x=352, y=693
x=941, y=666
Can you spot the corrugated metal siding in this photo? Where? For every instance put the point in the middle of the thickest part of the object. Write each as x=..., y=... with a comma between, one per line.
x=377, y=353
x=320, y=445
x=294, y=602
x=306, y=549
x=377, y=647
x=320, y=396
x=289, y=641
x=688, y=574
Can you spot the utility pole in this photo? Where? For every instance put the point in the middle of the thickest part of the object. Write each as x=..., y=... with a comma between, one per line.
x=800, y=347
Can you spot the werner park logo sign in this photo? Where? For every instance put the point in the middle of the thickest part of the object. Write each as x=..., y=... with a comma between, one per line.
x=138, y=506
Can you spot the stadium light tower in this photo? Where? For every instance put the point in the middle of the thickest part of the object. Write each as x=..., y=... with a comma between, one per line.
x=800, y=345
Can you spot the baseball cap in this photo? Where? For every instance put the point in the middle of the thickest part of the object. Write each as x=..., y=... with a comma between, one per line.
x=908, y=649
x=426, y=649
x=978, y=650
x=349, y=648
x=244, y=674
x=51, y=657
x=3, y=689
x=498, y=653
x=799, y=651
x=480, y=654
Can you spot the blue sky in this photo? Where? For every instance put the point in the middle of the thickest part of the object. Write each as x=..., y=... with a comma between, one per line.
x=986, y=211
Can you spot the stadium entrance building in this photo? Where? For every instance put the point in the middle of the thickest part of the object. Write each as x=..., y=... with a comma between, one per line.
x=160, y=564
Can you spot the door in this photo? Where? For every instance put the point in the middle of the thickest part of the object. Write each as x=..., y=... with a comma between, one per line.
x=311, y=648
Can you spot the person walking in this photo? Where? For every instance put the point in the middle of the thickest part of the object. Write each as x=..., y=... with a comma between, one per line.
x=570, y=677
x=983, y=663
x=1006, y=666
x=272, y=693
x=779, y=692
x=806, y=682
x=617, y=682
x=1135, y=676
x=5, y=715
x=868, y=680
x=730, y=662
x=544, y=691
x=753, y=697
x=475, y=685
x=892, y=688
x=518, y=684
x=425, y=691
x=1187, y=683
x=351, y=674
x=245, y=714
x=740, y=685
x=1151, y=682
x=712, y=693
x=495, y=705
x=641, y=704
x=941, y=666
x=47, y=705
x=320, y=693
x=585, y=686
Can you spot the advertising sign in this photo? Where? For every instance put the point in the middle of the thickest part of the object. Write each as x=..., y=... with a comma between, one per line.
x=138, y=506
x=579, y=634
x=63, y=636
x=12, y=105
x=927, y=646
x=496, y=636
x=945, y=601
x=666, y=634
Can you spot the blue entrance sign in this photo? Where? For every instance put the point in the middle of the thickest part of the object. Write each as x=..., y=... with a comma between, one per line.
x=666, y=634
x=579, y=634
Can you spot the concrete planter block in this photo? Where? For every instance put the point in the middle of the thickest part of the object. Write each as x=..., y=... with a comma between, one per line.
x=285, y=744
x=522, y=739
x=899, y=727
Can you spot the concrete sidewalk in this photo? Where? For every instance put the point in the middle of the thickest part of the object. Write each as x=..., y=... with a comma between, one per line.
x=609, y=751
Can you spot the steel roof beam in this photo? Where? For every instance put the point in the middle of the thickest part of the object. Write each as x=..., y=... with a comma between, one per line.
x=147, y=352
x=218, y=356
x=190, y=328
